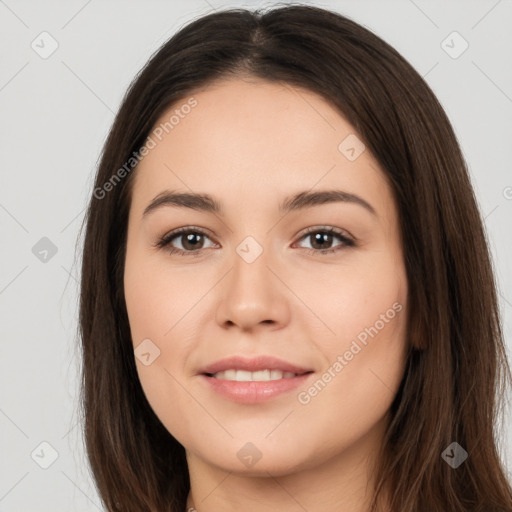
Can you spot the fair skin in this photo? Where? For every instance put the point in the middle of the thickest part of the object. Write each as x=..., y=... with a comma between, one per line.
x=250, y=144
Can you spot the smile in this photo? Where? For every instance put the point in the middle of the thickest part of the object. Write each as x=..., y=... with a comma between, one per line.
x=259, y=376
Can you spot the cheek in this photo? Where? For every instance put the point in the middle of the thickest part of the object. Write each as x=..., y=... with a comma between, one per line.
x=365, y=357
x=157, y=303
x=363, y=343
x=154, y=308
x=370, y=299
x=344, y=299
x=373, y=331
x=156, y=298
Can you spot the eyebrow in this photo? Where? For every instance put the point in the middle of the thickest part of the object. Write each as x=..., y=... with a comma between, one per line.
x=300, y=201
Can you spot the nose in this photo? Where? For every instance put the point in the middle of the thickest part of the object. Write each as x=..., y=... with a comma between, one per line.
x=252, y=295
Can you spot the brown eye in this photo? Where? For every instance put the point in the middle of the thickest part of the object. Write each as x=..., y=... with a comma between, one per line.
x=190, y=239
x=321, y=240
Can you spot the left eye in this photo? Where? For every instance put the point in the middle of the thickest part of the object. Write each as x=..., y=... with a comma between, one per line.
x=321, y=236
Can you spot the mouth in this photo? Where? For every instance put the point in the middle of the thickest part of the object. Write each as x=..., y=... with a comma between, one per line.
x=266, y=375
x=252, y=381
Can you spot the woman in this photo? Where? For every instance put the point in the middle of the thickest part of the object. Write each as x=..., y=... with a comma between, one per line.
x=228, y=366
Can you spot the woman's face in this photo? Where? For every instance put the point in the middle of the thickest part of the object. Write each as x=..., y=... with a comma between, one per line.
x=254, y=283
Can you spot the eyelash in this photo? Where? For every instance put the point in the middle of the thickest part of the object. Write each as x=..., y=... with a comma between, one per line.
x=168, y=238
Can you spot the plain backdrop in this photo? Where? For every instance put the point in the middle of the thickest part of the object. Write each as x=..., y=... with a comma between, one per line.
x=65, y=67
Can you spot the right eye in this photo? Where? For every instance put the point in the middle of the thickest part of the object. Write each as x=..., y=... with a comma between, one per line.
x=191, y=237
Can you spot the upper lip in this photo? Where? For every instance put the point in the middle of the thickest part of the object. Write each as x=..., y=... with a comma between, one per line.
x=252, y=365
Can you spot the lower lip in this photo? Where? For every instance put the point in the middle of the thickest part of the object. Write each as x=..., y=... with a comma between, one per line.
x=254, y=392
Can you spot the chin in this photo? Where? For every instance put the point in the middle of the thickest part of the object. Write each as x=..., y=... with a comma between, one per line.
x=257, y=458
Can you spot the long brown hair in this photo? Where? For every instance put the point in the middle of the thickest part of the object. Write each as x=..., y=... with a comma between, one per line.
x=457, y=372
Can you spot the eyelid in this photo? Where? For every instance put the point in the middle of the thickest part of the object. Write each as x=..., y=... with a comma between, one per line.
x=330, y=229
x=175, y=233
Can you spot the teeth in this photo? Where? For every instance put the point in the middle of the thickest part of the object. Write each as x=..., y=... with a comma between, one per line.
x=261, y=375
x=276, y=374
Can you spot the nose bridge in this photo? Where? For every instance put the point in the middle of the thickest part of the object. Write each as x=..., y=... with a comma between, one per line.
x=253, y=294
x=251, y=274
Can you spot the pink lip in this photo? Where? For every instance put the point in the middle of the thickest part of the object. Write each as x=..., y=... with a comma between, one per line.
x=252, y=365
x=255, y=391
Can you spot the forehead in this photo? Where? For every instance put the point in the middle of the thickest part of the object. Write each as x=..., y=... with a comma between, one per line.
x=256, y=141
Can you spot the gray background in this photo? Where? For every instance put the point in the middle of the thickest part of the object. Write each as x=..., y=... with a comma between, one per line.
x=54, y=116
